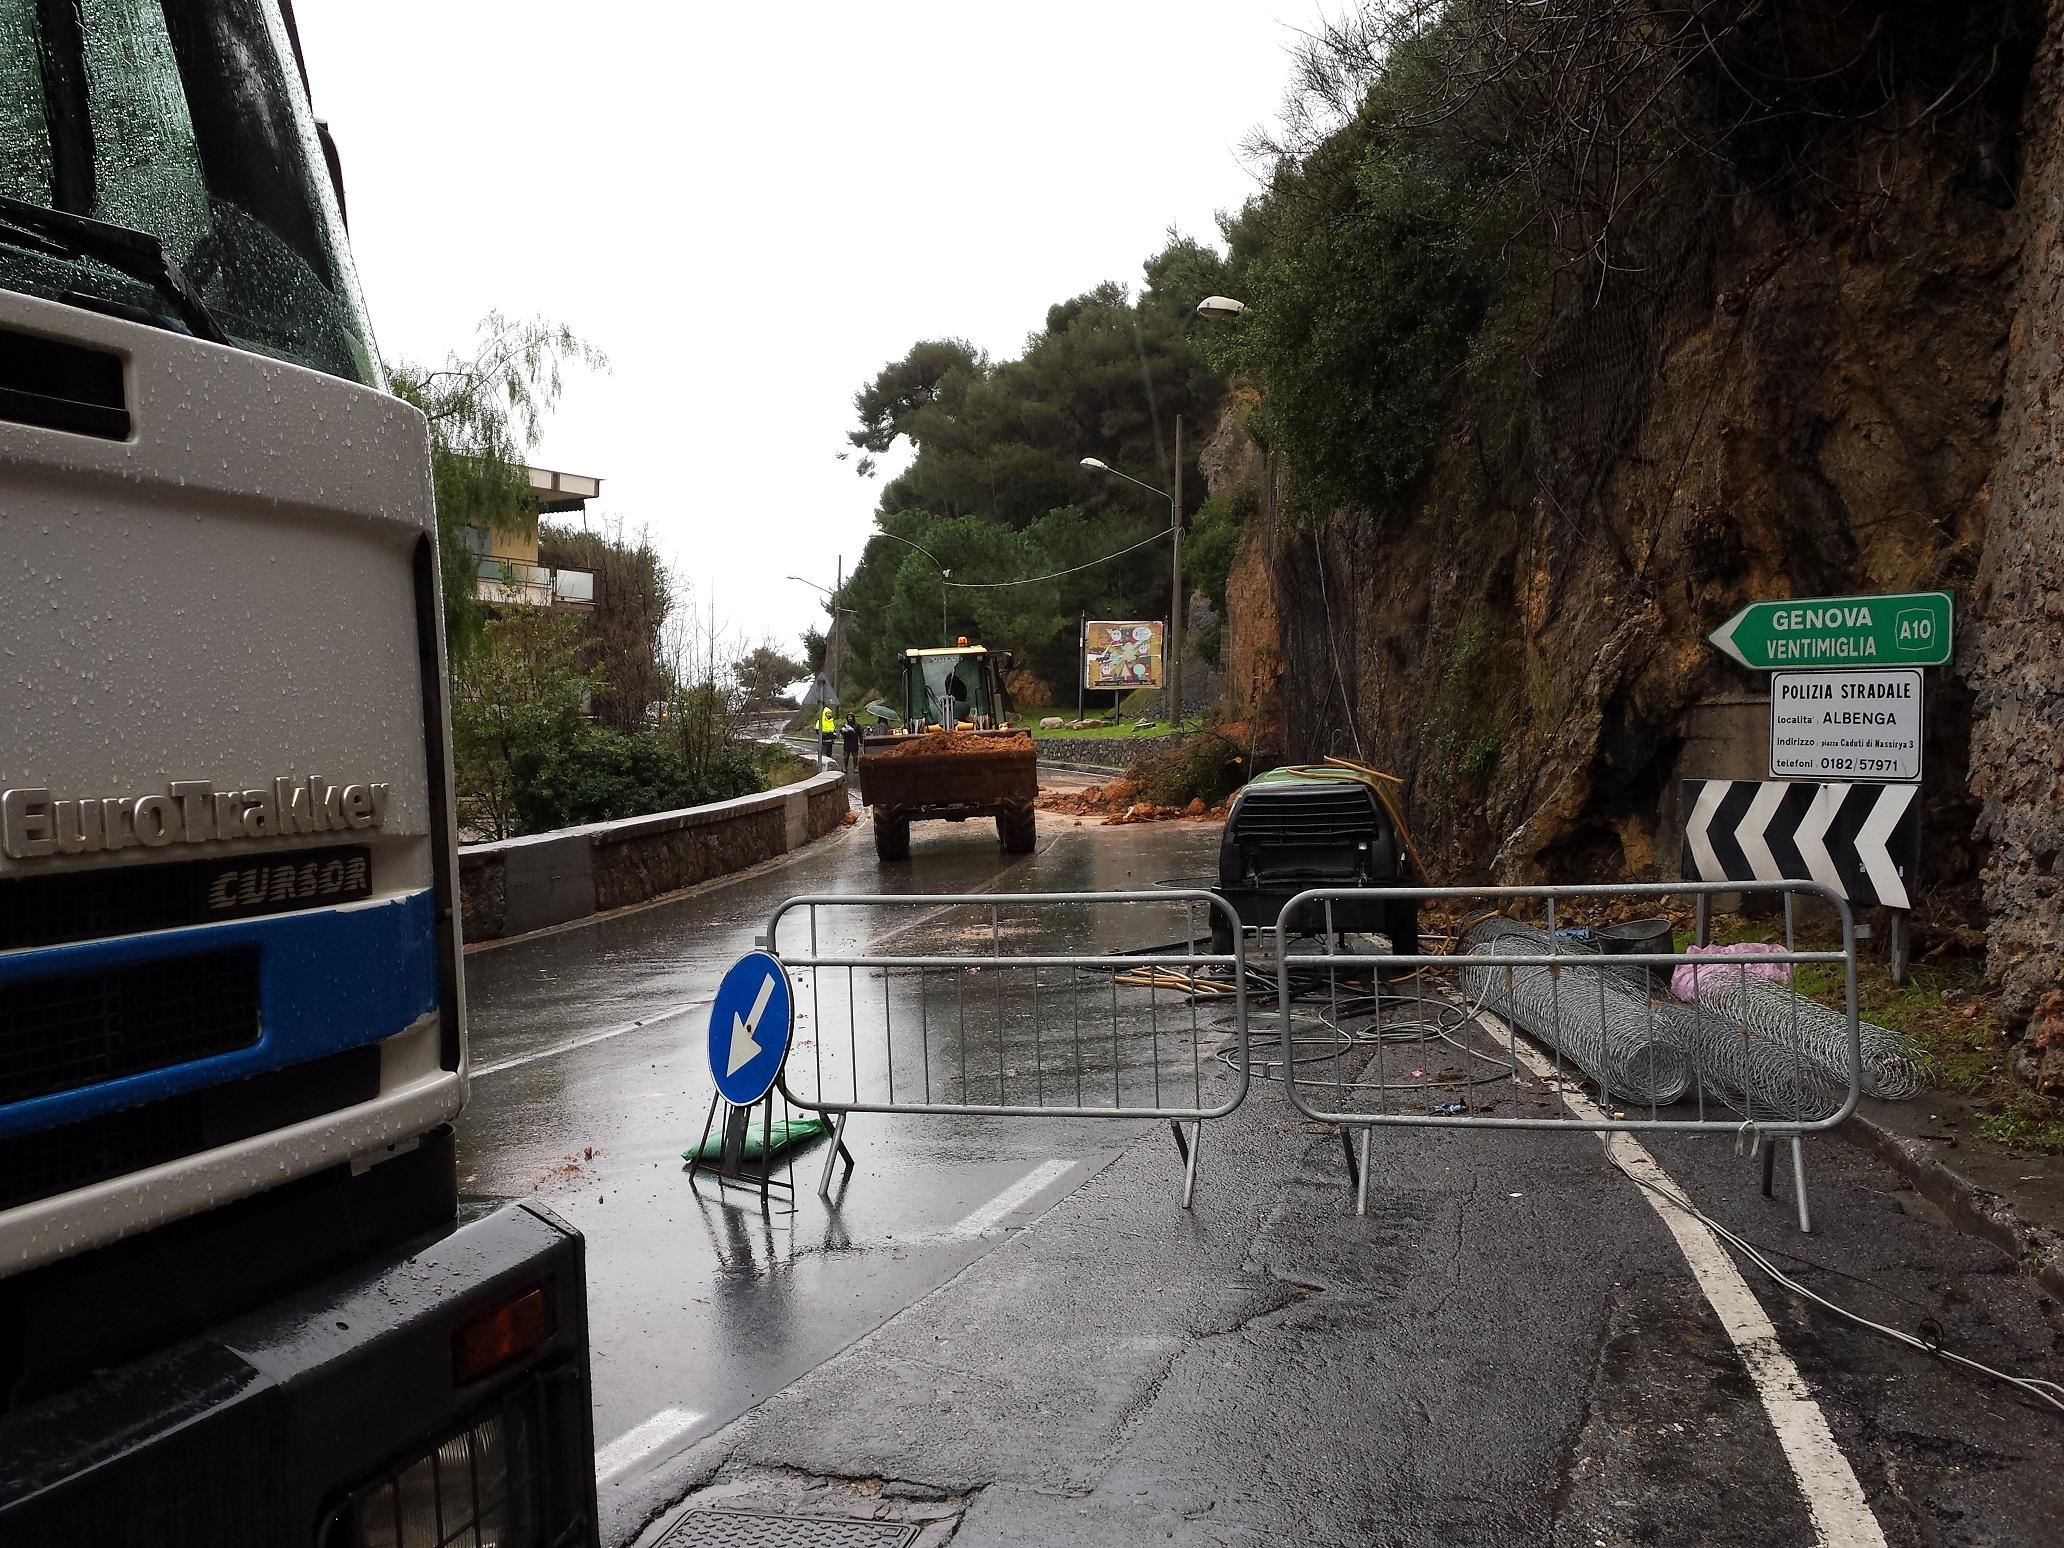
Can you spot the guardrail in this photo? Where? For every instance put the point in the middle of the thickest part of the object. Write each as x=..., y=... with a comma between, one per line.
x=1743, y=1058
x=956, y=1019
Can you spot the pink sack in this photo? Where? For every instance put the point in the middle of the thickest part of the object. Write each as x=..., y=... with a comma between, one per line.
x=1689, y=982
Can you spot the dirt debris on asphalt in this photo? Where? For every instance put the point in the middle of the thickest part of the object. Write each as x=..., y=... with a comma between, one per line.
x=1119, y=802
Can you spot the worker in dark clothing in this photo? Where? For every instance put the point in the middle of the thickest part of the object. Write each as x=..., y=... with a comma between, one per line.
x=850, y=734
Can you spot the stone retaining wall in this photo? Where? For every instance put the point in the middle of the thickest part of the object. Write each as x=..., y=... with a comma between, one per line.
x=1113, y=753
x=522, y=884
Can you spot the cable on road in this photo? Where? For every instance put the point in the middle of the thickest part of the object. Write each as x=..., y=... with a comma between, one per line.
x=2040, y=1389
x=1448, y=1018
x=1361, y=999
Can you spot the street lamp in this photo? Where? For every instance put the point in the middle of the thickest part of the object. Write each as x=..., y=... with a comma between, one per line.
x=1104, y=467
x=1172, y=654
x=943, y=574
x=835, y=638
x=1220, y=306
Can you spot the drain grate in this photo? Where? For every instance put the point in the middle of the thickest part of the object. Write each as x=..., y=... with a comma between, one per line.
x=762, y=1529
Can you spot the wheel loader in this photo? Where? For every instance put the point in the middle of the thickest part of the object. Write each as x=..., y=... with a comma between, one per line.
x=955, y=753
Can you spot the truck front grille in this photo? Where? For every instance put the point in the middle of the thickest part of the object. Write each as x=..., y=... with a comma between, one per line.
x=94, y=905
x=46, y=1162
x=80, y=1029
x=1304, y=818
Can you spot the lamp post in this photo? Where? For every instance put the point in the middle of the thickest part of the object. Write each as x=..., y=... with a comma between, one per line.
x=1210, y=306
x=831, y=644
x=944, y=573
x=1172, y=651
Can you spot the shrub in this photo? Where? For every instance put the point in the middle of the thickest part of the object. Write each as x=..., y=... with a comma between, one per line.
x=599, y=775
x=1206, y=768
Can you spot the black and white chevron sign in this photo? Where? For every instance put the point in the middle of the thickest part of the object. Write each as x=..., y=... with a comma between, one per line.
x=1862, y=841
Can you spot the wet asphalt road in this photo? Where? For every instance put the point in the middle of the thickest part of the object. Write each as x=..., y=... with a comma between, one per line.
x=1012, y=1328
x=700, y=1306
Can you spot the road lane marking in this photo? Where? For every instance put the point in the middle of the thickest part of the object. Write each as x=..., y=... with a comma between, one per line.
x=591, y=1038
x=1016, y=1196
x=640, y=1441
x=571, y=1044
x=1841, y=1516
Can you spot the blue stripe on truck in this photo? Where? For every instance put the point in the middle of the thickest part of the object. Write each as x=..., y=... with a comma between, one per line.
x=329, y=979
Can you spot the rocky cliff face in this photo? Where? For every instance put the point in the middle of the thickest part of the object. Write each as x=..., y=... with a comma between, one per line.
x=1804, y=408
x=2014, y=656
x=1250, y=660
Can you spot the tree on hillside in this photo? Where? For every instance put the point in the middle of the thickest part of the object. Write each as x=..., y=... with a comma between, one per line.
x=486, y=410
x=764, y=673
x=633, y=594
x=934, y=375
x=517, y=697
x=996, y=489
x=1104, y=377
x=705, y=711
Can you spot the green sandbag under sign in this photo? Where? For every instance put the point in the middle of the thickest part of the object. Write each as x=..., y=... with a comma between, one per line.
x=762, y=1140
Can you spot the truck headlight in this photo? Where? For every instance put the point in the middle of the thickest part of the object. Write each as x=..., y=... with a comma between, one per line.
x=474, y=1489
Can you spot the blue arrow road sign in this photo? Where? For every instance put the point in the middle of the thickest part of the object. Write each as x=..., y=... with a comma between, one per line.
x=749, y=1026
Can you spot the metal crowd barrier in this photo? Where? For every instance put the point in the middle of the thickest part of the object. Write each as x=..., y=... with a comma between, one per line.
x=942, y=1012
x=1527, y=1020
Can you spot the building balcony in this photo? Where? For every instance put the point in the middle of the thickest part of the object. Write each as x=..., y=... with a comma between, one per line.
x=509, y=582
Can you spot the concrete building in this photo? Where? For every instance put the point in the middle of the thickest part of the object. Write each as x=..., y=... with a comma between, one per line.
x=507, y=565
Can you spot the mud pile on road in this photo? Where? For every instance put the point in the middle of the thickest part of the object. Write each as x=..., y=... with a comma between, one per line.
x=1121, y=801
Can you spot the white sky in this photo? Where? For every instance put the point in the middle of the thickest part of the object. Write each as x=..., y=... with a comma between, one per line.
x=752, y=208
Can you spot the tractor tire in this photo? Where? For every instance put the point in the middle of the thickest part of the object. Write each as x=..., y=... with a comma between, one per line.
x=891, y=837
x=1019, y=830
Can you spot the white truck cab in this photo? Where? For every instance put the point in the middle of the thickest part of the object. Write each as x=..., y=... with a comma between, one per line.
x=231, y=1017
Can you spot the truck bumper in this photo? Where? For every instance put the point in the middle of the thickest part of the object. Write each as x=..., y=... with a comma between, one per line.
x=444, y=1384
x=1261, y=905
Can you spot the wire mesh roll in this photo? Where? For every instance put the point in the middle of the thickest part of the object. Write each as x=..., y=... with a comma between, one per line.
x=1761, y=1048
x=1590, y=1015
x=1745, y=1072
x=1807, y=1031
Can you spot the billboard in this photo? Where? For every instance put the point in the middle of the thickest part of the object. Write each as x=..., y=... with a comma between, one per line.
x=1118, y=656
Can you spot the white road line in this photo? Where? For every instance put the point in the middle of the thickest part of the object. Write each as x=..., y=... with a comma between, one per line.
x=985, y=892
x=590, y=1039
x=1841, y=1516
x=681, y=1010
x=1016, y=1196
x=639, y=1442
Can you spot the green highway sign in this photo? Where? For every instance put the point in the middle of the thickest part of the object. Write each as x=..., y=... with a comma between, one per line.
x=1908, y=630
